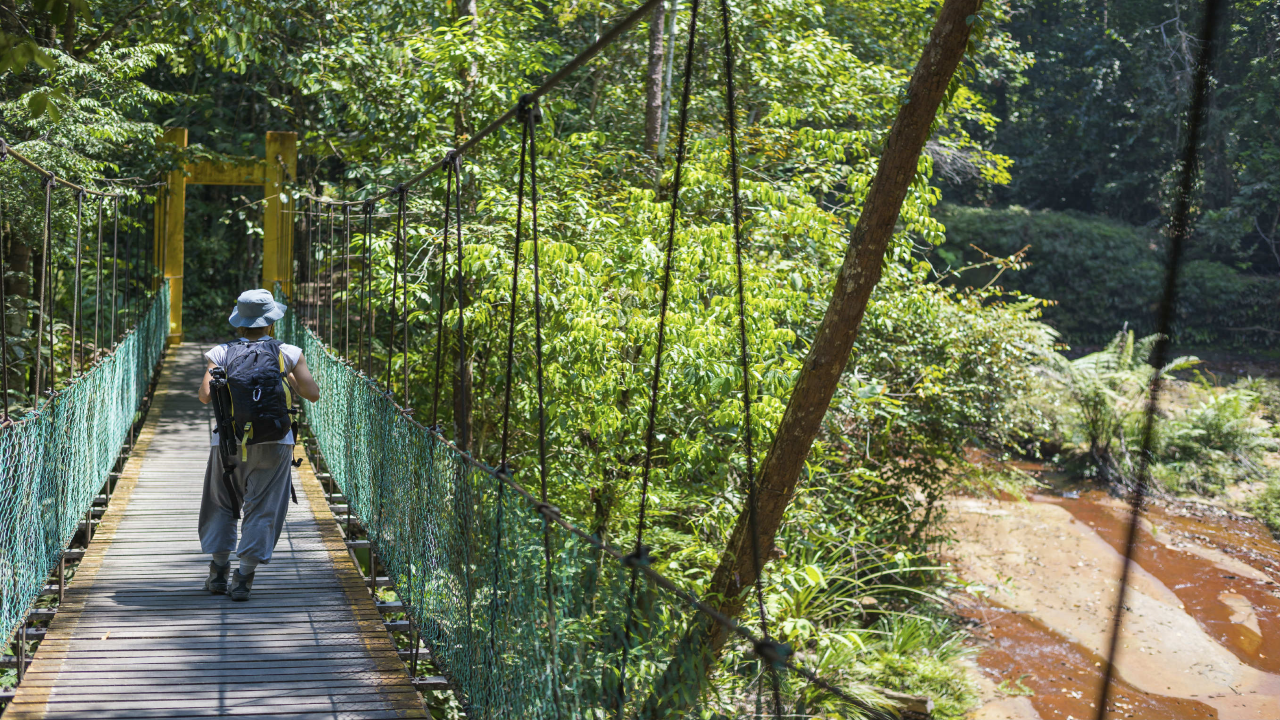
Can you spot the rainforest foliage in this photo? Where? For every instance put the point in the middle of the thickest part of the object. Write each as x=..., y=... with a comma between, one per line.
x=1090, y=129
x=378, y=90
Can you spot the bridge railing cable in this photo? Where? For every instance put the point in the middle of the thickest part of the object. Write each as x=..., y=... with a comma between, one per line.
x=528, y=615
x=456, y=535
x=552, y=82
x=63, y=437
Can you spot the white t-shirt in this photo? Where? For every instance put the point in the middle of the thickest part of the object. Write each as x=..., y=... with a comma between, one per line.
x=292, y=353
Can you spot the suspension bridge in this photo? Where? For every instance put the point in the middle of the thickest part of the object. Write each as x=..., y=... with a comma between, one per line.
x=409, y=566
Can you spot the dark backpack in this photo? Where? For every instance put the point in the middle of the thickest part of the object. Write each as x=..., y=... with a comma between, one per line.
x=261, y=405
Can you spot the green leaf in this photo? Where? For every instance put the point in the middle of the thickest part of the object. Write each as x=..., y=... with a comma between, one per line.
x=42, y=58
x=37, y=104
x=814, y=574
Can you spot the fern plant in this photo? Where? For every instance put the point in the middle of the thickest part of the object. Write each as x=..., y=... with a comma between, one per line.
x=1106, y=390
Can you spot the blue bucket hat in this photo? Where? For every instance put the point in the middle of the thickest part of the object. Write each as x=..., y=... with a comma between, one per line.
x=256, y=308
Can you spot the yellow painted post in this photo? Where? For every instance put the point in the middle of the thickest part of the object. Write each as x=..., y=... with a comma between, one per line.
x=170, y=212
x=277, y=223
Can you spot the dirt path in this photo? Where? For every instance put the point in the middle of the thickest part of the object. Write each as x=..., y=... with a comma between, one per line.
x=1202, y=632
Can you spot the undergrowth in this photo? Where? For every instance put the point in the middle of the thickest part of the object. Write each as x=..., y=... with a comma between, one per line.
x=1207, y=437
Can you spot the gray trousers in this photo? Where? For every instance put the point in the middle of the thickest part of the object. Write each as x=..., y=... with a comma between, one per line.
x=263, y=481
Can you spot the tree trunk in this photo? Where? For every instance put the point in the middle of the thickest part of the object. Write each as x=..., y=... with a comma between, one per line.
x=17, y=286
x=686, y=676
x=669, y=62
x=9, y=17
x=653, y=83
x=462, y=111
x=69, y=31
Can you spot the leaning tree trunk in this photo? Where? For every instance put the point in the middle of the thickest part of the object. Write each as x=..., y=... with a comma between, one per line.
x=687, y=675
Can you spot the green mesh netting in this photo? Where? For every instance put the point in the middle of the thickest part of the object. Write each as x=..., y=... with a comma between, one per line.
x=466, y=553
x=55, y=459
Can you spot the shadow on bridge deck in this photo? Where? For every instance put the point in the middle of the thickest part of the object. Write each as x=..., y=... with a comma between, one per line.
x=138, y=637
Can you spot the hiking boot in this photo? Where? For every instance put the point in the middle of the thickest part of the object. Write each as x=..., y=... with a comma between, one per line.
x=241, y=586
x=216, y=583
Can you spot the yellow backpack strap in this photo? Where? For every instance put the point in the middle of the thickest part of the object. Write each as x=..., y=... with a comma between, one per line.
x=284, y=380
x=244, y=442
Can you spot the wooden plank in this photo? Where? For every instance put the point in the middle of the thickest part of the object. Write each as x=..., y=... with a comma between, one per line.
x=215, y=689
x=227, y=704
x=137, y=636
x=312, y=712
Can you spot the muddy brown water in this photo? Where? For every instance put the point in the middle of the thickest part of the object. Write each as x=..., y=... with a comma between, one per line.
x=1202, y=586
x=1062, y=678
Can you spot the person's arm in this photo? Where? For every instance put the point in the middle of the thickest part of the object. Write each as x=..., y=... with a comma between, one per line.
x=302, y=382
x=204, y=384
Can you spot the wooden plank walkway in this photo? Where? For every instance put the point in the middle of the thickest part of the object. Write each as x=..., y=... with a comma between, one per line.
x=138, y=637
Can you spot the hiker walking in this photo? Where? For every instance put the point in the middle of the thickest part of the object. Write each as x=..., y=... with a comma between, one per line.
x=251, y=383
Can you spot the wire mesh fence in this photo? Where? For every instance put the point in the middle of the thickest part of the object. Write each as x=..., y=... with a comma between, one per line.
x=56, y=457
x=528, y=616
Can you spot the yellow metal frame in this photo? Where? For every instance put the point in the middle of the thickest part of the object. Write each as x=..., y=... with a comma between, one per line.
x=279, y=166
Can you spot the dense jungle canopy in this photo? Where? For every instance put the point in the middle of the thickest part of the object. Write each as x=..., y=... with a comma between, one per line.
x=1059, y=133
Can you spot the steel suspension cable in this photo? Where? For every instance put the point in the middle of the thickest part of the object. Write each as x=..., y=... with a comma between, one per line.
x=582, y=58
x=753, y=499
x=639, y=555
x=1179, y=232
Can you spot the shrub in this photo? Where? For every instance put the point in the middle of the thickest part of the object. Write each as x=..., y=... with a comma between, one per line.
x=1217, y=443
x=1103, y=394
x=1266, y=506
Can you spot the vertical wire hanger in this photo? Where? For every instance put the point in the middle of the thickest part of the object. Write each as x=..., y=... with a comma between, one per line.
x=366, y=300
x=346, y=284
x=403, y=231
x=77, y=316
x=331, y=255
x=4, y=304
x=115, y=266
x=639, y=555
x=395, y=291
x=97, y=285
x=753, y=500
x=42, y=316
x=444, y=265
